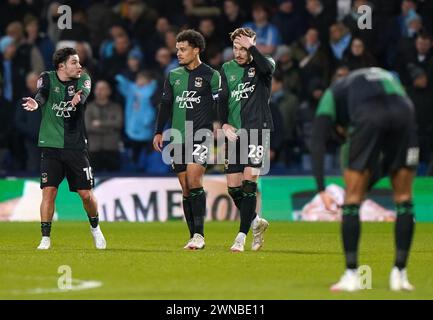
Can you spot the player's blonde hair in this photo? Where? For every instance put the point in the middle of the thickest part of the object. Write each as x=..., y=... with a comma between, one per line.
x=242, y=31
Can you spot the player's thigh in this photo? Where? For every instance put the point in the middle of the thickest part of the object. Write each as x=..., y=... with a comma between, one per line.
x=78, y=170
x=52, y=168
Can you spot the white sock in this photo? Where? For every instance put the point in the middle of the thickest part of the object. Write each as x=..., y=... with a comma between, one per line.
x=255, y=221
x=241, y=236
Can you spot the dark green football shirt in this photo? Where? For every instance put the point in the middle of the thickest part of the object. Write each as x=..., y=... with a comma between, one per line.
x=62, y=124
x=189, y=95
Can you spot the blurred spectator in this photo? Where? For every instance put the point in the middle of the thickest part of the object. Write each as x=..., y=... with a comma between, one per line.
x=156, y=40
x=27, y=54
x=118, y=60
x=139, y=20
x=268, y=36
x=11, y=10
x=84, y=52
x=6, y=112
x=39, y=40
x=100, y=18
x=340, y=72
x=357, y=57
x=27, y=124
x=420, y=54
x=288, y=69
x=287, y=104
x=304, y=122
x=319, y=19
x=313, y=59
x=288, y=21
x=170, y=41
x=107, y=46
x=165, y=63
x=213, y=43
x=104, y=121
x=232, y=18
x=339, y=40
x=79, y=30
x=134, y=63
x=421, y=93
x=140, y=112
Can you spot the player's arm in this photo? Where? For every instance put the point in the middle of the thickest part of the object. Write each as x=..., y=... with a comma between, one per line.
x=322, y=127
x=265, y=65
x=223, y=109
x=164, y=112
x=41, y=97
x=84, y=87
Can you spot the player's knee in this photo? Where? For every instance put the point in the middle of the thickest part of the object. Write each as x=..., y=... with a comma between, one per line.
x=249, y=188
x=85, y=195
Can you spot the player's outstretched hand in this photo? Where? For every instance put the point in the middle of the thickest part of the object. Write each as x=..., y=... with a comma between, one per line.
x=328, y=201
x=244, y=41
x=230, y=132
x=77, y=98
x=157, y=142
x=30, y=104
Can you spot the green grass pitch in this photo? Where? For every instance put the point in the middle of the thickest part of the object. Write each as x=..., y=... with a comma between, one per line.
x=146, y=261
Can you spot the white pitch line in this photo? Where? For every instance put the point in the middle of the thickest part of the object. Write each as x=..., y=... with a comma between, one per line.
x=79, y=286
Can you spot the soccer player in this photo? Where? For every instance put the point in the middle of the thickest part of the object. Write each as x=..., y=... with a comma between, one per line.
x=371, y=108
x=244, y=104
x=189, y=98
x=62, y=95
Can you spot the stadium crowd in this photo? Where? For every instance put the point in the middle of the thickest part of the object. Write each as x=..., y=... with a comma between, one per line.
x=128, y=47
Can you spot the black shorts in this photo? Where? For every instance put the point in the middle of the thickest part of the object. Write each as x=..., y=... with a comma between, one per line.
x=74, y=164
x=249, y=150
x=383, y=137
x=184, y=154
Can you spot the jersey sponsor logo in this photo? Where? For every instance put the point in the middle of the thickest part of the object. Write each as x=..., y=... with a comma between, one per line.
x=251, y=72
x=198, y=83
x=87, y=84
x=71, y=91
x=64, y=108
x=242, y=91
x=40, y=82
x=187, y=99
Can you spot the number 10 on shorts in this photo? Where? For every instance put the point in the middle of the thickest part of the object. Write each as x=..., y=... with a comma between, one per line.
x=89, y=174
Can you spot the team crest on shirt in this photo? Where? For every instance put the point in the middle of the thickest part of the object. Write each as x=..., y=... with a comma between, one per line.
x=177, y=82
x=232, y=78
x=198, y=82
x=56, y=89
x=251, y=72
x=87, y=84
x=71, y=91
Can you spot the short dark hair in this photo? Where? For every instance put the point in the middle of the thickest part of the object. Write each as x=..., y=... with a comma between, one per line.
x=62, y=55
x=242, y=31
x=194, y=38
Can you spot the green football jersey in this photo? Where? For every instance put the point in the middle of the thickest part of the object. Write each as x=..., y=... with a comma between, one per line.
x=62, y=124
x=189, y=95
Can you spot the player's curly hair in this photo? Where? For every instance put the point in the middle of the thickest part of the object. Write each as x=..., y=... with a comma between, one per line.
x=242, y=31
x=194, y=38
x=62, y=55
